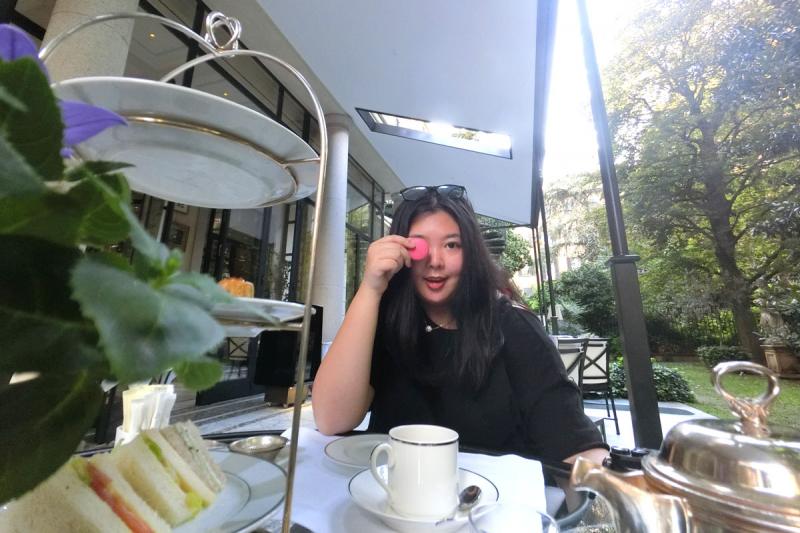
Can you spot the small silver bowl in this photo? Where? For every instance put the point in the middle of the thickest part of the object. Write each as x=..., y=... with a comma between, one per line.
x=266, y=446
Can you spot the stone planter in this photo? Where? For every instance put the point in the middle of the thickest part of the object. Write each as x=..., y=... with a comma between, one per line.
x=781, y=360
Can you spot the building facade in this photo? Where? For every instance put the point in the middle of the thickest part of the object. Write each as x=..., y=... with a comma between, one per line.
x=267, y=246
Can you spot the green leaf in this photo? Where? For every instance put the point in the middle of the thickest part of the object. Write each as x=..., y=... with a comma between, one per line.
x=41, y=327
x=199, y=375
x=10, y=100
x=153, y=259
x=205, y=289
x=95, y=167
x=143, y=330
x=36, y=133
x=16, y=176
x=107, y=222
x=43, y=421
x=114, y=183
x=89, y=212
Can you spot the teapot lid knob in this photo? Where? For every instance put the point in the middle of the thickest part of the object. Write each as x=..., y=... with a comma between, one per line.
x=753, y=412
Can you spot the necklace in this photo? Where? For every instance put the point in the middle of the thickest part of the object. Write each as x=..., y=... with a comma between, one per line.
x=429, y=328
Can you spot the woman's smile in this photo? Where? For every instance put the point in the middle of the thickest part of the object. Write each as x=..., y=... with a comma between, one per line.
x=435, y=283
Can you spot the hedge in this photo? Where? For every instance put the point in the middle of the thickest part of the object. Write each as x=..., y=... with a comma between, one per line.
x=671, y=386
x=712, y=355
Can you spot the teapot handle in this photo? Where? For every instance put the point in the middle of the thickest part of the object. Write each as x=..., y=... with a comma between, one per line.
x=753, y=412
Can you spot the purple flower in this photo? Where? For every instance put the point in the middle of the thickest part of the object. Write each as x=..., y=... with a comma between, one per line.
x=81, y=121
x=15, y=44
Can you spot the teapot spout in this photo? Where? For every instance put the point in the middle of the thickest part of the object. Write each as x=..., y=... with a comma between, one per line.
x=634, y=508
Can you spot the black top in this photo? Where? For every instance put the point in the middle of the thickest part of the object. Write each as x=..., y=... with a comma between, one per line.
x=526, y=404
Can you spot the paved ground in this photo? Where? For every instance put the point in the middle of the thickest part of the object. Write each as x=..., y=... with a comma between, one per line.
x=671, y=413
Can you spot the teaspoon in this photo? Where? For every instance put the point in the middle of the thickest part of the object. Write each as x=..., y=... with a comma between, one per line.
x=467, y=499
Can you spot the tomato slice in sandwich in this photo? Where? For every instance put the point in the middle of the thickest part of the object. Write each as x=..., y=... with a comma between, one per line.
x=101, y=484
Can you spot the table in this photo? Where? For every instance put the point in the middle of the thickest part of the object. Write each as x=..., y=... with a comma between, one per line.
x=322, y=503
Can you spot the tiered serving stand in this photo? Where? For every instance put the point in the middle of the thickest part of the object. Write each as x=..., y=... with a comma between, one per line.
x=198, y=149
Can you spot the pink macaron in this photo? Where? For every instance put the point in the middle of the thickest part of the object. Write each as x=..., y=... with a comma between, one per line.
x=420, y=250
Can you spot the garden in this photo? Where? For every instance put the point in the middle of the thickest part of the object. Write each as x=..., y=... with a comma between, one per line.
x=704, y=108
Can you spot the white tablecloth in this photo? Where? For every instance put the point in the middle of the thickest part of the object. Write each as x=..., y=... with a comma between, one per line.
x=322, y=503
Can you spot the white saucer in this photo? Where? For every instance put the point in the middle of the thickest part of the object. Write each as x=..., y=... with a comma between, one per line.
x=367, y=494
x=192, y=147
x=354, y=451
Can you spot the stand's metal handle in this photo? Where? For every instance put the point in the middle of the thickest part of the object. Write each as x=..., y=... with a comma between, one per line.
x=214, y=22
x=47, y=50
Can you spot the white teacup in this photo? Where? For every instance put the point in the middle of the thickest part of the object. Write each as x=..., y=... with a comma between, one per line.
x=422, y=470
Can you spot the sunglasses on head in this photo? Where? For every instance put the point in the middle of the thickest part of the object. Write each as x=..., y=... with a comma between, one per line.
x=412, y=194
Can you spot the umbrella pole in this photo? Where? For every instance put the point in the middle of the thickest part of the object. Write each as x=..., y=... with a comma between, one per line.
x=630, y=313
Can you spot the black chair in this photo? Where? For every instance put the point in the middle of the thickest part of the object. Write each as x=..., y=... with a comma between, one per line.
x=595, y=378
x=573, y=353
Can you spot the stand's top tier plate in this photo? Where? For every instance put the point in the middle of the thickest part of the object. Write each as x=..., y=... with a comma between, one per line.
x=195, y=148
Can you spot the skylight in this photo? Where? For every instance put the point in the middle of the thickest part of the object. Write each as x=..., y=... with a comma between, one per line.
x=485, y=142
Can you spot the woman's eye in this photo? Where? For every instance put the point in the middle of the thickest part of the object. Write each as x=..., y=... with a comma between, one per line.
x=453, y=245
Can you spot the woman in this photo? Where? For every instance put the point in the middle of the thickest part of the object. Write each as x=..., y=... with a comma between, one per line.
x=434, y=341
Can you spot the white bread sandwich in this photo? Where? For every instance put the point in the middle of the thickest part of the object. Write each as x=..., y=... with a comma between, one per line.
x=164, y=480
x=185, y=438
x=83, y=495
x=119, y=489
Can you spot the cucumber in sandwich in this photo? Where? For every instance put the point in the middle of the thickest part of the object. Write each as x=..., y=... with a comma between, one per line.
x=162, y=478
x=185, y=439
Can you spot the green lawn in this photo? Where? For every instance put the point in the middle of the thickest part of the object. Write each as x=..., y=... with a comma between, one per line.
x=785, y=410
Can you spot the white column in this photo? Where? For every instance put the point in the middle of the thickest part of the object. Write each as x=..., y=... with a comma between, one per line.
x=98, y=50
x=331, y=264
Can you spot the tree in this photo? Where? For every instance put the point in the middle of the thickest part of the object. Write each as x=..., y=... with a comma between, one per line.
x=705, y=112
x=589, y=287
x=576, y=217
x=516, y=254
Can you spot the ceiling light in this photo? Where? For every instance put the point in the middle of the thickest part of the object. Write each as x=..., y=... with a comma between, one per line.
x=437, y=132
x=151, y=35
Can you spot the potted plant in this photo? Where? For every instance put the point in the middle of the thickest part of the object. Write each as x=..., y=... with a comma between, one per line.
x=780, y=330
x=72, y=312
x=780, y=357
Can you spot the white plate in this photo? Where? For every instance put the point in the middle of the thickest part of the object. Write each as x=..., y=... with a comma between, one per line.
x=254, y=489
x=354, y=451
x=368, y=495
x=258, y=311
x=193, y=147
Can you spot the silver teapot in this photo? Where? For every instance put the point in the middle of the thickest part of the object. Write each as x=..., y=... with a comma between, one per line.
x=710, y=475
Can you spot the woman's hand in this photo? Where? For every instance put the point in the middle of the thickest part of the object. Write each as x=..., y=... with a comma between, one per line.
x=385, y=258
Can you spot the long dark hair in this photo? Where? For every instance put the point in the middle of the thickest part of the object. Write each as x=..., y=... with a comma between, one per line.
x=478, y=338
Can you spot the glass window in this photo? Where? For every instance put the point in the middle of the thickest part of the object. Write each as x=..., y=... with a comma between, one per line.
x=154, y=51
x=356, y=256
x=359, y=178
x=314, y=140
x=181, y=10
x=304, y=251
x=36, y=11
x=359, y=210
x=485, y=142
x=350, y=258
x=292, y=114
x=257, y=89
x=380, y=225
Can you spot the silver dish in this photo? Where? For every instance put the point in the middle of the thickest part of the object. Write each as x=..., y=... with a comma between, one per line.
x=265, y=446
